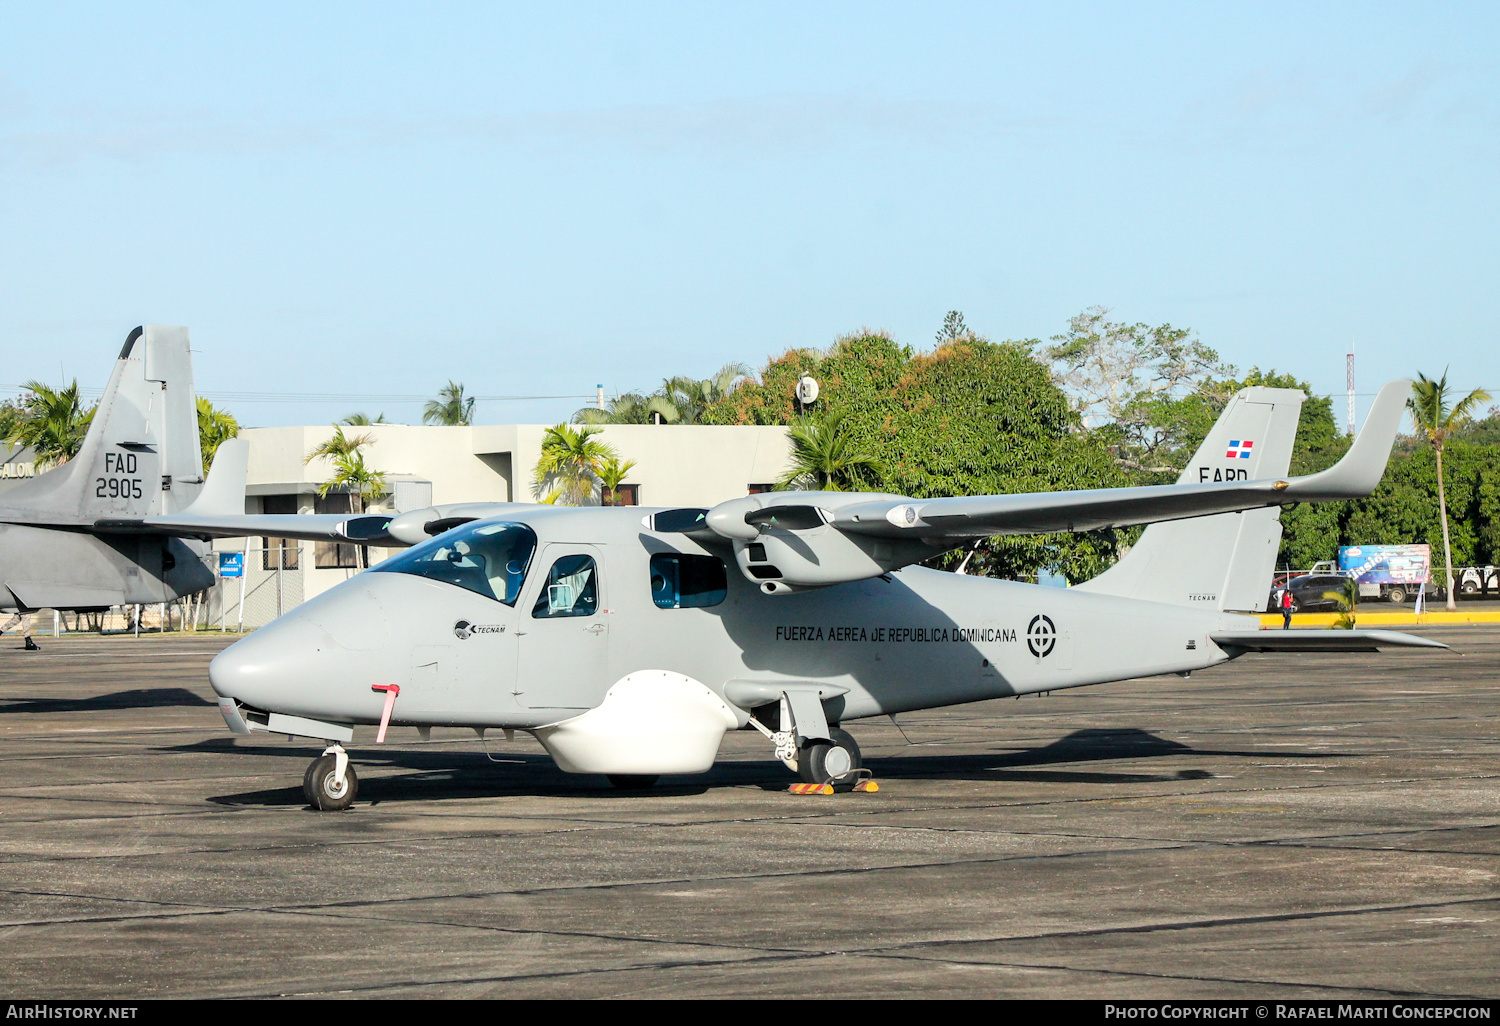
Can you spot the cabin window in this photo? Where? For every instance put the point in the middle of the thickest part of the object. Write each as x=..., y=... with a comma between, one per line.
x=680, y=581
x=488, y=559
x=571, y=588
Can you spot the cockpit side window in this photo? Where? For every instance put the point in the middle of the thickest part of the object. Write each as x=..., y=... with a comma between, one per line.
x=682, y=581
x=488, y=559
x=571, y=589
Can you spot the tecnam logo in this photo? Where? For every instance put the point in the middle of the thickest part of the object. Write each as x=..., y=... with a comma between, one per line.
x=463, y=629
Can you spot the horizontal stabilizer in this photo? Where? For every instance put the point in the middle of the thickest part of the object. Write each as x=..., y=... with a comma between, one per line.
x=1332, y=640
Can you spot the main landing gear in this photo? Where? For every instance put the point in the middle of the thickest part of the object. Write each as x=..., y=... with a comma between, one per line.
x=330, y=783
x=836, y=761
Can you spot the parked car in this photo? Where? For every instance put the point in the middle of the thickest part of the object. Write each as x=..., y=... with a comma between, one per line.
x=1310, y=593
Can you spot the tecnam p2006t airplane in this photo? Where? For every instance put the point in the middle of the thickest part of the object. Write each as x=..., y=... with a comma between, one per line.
x=629, y=640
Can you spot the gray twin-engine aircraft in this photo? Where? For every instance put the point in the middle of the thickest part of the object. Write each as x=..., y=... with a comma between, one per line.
x=69, y=537
x=629, y=640
x=77, y=537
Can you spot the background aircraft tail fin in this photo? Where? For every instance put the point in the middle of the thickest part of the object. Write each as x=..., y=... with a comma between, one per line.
x=1223, y=561
x=141, y=454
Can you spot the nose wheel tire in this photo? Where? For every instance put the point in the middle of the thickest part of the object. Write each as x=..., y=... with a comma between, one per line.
x=632, y=781
x=322, y=788
x=836, y=761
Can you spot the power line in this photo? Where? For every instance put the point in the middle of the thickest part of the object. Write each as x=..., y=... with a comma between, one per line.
x=322, y=397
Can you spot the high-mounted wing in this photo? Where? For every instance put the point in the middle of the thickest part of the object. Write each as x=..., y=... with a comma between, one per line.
x=793, y=540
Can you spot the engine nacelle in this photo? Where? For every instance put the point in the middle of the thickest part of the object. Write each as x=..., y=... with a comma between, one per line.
x=417, y=525
x=784, y=543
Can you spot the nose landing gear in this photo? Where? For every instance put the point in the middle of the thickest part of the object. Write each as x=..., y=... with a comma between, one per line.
x=330, y=783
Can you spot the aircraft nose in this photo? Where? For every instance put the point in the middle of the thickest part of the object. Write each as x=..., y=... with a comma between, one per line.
x=318, y=660
x=272, y=667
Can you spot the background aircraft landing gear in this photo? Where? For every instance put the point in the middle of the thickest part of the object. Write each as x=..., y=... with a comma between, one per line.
x=836, y=761
x=330, y=783
x=632, y=781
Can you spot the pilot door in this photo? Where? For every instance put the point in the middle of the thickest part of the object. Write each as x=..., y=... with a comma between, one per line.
x=563, y=628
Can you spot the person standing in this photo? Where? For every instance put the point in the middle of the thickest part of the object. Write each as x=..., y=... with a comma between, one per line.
x=1286, y=608
x=22, y=620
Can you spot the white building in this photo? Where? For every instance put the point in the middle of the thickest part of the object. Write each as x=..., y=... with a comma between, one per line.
x=425, y=466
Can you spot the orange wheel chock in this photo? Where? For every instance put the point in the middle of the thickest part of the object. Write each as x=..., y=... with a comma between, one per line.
x=811, y=789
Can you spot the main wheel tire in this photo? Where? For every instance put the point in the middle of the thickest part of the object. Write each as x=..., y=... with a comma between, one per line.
x=322, y=793
x=836, y=761
x=632, y=781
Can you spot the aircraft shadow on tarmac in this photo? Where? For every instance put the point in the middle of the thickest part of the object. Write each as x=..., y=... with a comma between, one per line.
x=144, y=698
x=452, y=773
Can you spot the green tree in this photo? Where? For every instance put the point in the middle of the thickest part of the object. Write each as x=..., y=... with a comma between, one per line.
x=1146, y=391
x=215, y=427
x=570, y=464
x=361, y=420
x=450, y=408
x=52, y=421
x=971, y=417
x=1437, y=415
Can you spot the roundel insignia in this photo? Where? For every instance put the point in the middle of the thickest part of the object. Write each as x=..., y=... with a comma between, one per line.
x=461, y=629
x=1041, y=635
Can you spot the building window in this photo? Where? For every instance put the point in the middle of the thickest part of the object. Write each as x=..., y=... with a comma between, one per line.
x=624, y=495
x=335, y=555
x=279, y=553
x=757, y=489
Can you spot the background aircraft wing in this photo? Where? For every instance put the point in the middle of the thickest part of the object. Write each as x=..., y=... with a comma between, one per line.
x=365, y=528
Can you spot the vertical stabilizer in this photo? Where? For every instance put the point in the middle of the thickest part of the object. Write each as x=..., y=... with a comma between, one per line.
x=1223, y=561
x=141, y=454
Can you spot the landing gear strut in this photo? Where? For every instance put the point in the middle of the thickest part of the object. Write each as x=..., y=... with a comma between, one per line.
x=330, y=783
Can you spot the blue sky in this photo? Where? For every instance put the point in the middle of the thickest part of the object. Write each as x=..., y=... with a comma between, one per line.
x=370, y=199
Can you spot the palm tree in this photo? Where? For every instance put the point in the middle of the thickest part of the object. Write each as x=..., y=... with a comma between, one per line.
x=362, y=420
x=826, y=457
x=679, y=400
x=611, y=473
x=215, y=426
x=628, y=408
x=450, y=408
x=349, y=469
x=50, y=420
x=1434, y=412
x=570, y=464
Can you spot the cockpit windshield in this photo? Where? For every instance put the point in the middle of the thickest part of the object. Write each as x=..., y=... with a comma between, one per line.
x=488, y=559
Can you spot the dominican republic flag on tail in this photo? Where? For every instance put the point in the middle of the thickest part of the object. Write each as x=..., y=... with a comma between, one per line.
x=1239, y=449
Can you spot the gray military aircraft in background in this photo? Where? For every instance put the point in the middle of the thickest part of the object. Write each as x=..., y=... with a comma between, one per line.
x=629, y=640
x=139, y=458
x=75, y=537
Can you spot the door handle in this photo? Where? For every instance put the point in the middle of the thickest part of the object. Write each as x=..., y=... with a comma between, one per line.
x=595, y=629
